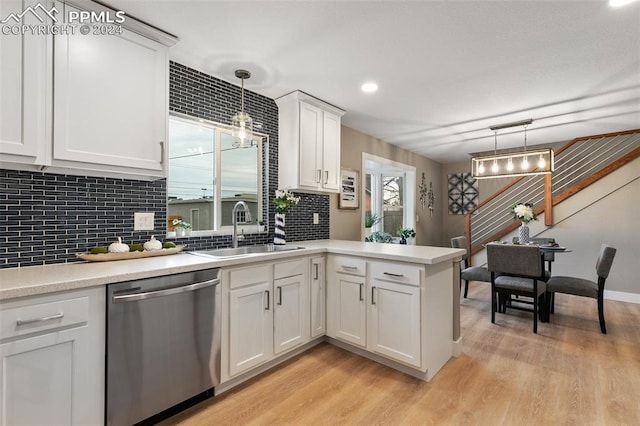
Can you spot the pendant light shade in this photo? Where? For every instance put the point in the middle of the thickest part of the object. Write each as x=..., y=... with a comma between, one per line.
x=242, y=123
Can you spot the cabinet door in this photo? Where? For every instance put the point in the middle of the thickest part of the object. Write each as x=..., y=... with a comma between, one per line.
x=318, y=297
x=290, y=310
x=349, y=320
x=110, y=104
x=250, y=327
x=24, y=87
x=394, y=323
x=38, y=379
x=331, y=152
x=310, y=146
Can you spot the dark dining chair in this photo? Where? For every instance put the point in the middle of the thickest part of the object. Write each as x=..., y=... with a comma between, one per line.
x=583, y=287
x=548, y=256
x=469, y=273
x=517, y=270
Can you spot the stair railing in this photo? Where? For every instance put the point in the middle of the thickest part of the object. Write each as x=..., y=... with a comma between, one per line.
x=578, y=164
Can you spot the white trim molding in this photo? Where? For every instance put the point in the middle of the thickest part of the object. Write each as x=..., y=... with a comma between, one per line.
x=622, y=296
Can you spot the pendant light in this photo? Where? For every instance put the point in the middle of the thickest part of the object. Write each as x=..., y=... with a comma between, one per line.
x=241, y=123
x=512, y=164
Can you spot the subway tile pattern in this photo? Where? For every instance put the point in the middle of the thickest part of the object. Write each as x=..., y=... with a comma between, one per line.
x=200, y=95
x=47, y=218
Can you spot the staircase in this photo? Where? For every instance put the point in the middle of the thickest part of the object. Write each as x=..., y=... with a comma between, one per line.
x=578, y=164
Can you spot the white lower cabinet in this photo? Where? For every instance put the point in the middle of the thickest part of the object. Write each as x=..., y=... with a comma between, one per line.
x=318, y=297
x=52, y=359
x=394, y=324
x=350, y=318
x=267, y=315
x=289, y=309
x=250, y=324
x=377, y=306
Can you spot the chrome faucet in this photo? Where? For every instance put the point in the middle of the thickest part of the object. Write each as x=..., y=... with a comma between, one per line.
x=234, y=219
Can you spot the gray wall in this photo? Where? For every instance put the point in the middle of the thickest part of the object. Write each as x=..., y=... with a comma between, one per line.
x=347, y=224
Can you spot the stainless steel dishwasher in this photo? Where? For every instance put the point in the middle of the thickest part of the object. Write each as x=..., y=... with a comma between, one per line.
x=163, y=345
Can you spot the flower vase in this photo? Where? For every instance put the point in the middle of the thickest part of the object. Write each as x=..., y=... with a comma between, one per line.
x=278, y=233
x=180, y=232
x=523, y=234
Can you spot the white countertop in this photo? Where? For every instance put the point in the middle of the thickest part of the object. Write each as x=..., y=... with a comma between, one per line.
x=33, y=280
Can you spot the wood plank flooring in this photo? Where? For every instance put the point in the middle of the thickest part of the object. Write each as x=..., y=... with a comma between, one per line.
x=569, y=373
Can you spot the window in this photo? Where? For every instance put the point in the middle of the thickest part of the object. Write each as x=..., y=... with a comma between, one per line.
x=389, y=193
x=208, y=175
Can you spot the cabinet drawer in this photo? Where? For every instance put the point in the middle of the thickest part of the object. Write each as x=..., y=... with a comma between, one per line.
x=247, y=276
x=396, y=272
x=289, y=269
x=350, y=265
x=42, y=317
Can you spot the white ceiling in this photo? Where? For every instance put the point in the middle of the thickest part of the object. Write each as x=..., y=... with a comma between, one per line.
x=447, y=70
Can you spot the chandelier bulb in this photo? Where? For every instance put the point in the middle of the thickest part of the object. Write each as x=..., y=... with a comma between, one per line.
x=510, y=165
x=541, y=162
x=495, y=168
x=525, y=163
x=481, y=168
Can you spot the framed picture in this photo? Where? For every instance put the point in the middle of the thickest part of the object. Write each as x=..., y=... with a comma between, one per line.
x=349, y=193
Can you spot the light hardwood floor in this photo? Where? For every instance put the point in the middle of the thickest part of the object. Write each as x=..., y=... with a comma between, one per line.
x=569, y=373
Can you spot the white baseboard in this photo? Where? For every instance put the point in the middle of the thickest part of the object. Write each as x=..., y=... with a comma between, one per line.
x=622, y=296
x=457, y=347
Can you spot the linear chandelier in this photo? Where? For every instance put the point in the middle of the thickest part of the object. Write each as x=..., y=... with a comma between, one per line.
x=525, y=163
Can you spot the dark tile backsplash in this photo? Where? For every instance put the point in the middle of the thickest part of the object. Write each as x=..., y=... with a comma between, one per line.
x=47, y=218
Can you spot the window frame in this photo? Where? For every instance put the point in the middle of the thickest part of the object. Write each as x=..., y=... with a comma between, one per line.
x=262, y=177
x=378, y=167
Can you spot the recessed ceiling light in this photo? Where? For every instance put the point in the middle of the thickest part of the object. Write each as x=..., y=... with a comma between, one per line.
x=369, y=87
x=618, y=3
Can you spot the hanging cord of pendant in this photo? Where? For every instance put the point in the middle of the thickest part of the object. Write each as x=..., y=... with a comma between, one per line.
x=242, y=97
x=495, y=143
x=525, y=138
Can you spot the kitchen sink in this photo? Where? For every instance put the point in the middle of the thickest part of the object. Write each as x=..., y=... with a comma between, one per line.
x=246, y=250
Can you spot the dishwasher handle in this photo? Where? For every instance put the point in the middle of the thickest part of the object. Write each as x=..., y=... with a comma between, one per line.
x=167, y=292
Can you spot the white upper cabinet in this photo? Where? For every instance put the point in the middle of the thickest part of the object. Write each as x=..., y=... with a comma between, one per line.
x=308, y=143
x=111, y=101
x=94, y=103
x=25, y=91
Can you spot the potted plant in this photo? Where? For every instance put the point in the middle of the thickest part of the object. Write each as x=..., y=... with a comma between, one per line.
x=370, y=219
x=379, y=237
x=405, y=234
x=261, y=226
x=182, y=228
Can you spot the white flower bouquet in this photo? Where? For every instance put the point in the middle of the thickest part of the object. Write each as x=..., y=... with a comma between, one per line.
x=284, y=200
x=523, y=212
